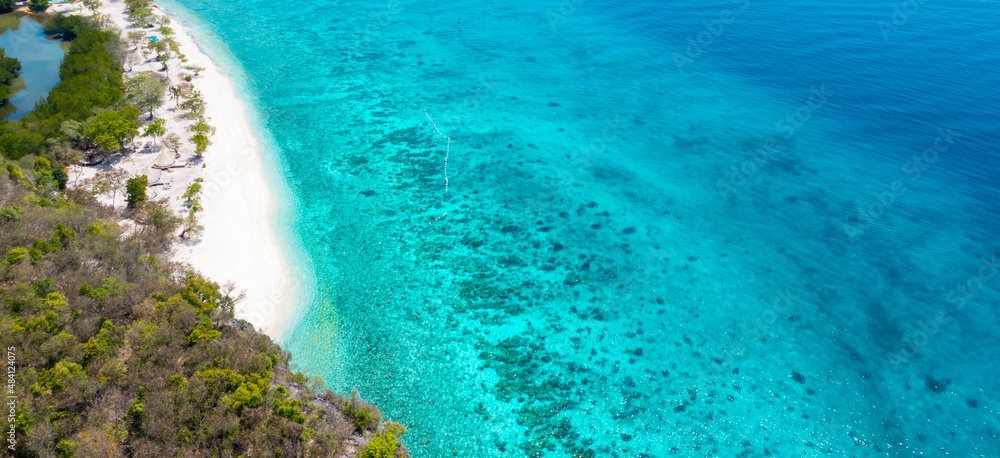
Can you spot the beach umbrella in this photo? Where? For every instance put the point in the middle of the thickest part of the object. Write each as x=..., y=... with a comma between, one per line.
x=164, y=160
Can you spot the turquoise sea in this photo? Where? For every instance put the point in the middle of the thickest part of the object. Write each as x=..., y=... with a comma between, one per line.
x=606, y=228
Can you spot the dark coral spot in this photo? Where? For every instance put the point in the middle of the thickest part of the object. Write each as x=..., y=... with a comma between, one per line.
x=935, y=385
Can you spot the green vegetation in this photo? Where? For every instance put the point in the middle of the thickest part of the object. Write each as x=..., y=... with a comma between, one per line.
x=107, y=183
x=9, y=67
x=6, y=6
x=193, y=103
x=202, y=132
x=135, y=190
x=175, y=92
x=121, y=353
x=145, y=92
x=172, y=142
x=155, y=129
x=191, y=227
x=65, y=26
x=38, y=5
x=92, y=5
x=385, y=443
x=110, y=130
x=90, y=79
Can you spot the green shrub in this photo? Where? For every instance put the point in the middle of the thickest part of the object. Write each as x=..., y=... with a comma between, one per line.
x=204, y=332
x=12, y=214
x=135, y=190
x=385, y=443
x=290, y=409
x=16, y=255
x=364, y=415
x=109, y=287
x=38, y=5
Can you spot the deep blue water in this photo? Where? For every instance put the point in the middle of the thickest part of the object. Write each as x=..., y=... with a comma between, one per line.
x=696, y=229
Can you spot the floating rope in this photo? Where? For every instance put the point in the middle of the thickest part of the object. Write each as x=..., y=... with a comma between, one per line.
x=447, y=150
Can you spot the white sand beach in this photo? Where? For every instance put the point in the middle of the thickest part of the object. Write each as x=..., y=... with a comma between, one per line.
x=239, y=242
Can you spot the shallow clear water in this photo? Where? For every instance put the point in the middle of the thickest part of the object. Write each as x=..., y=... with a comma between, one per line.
x=780, y=241
x=23, y=38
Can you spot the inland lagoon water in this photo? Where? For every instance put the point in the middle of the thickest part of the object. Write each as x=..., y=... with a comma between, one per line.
x=40, y=56
x=641, y=228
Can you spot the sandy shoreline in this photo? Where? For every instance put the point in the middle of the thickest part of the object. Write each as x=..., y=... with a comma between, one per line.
x=239, y=242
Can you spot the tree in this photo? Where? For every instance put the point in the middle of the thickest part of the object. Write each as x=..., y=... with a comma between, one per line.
x=175, y=92
x=384, y=443
x=9, y=68
x=92, y=5
x=43, y=173
x=38, y=5
x=193, y=102
x=192, y=195
x=109, y=130
x=6, y=6
x=190, y=224
x=118, y=47
x=157, y=222
x=200, y=143
x=159, y=47
x=202, y=126
x=134, y=4
x=195, y=69
x=164, y=57
x=129, y=60
x=136, y=37
x=144, y=92
x=155, y=129
x=102, y=21
x=108, y=182
x=140, y=16
x=135, y=190
x=172, y=142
